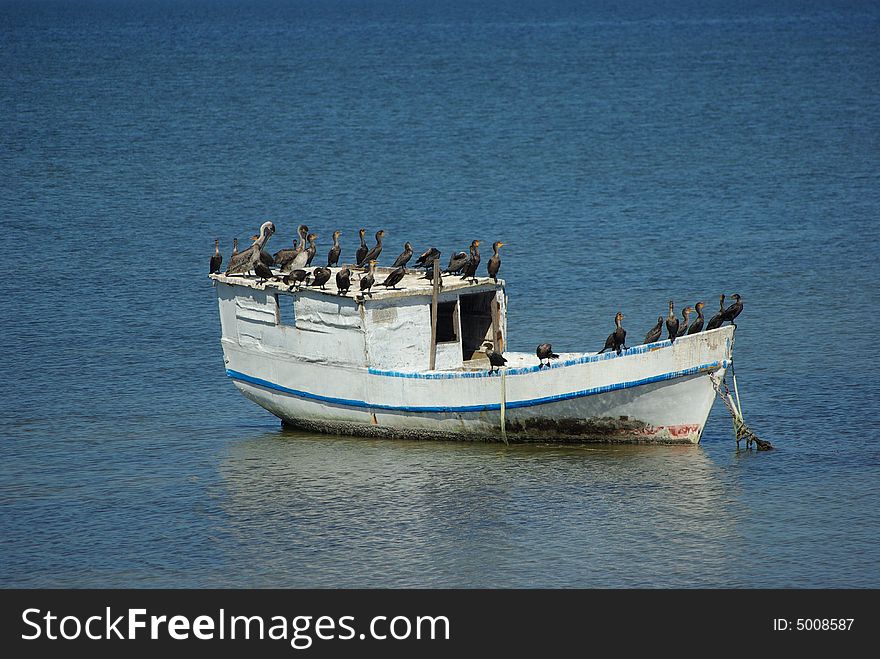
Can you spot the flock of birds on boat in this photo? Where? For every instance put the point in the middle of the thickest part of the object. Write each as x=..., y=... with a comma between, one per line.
x=291, y=268
x=291, y=265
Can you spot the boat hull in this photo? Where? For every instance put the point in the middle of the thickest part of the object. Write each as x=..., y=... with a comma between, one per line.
x=660, y=393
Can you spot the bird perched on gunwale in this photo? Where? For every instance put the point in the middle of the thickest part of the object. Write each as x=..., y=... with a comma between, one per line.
x=404, y=257
x=428, y=256
x=470, y=268
x=301, y=259
x=283, y=256
x=297, y=278
x=394, y=277
x=456, y=263
x=244, y=260
x=429, y=275
x=335, y=251
x=496, y=359
x=368, y=279
x=617, y=339
x=343, y=281
x=683, y=326
x=216, y=257
x=261, y=270
x=655, y=332
x=697, y=325
x=311, y=249
x=373, y=254
x=545, y=351
x=734, y=310
x=320, y=277
x=495, y=262
x=672, y=322
x=361, y=252
x=716, y=320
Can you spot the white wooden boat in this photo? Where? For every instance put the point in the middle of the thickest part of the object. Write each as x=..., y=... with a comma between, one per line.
x=348, y=365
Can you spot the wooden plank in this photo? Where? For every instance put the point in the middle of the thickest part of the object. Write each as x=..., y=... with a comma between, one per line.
x=435, y=294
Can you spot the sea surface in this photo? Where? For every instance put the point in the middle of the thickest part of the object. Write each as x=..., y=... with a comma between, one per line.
x=627, y=153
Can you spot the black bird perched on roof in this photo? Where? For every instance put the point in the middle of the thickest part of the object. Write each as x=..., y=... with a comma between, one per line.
x=335, y=251
x=456, y=263
x=368, y=279
x=697, y=325
x=734, y=310
x=297, y=277
x=373, y=254
x=473, y=262
x=321, y=276
x=361, y=252
x=545, y=351
x=428, y=256
x=716, y=320
x=655, y=332
x=683, y=326
x=495, y=262
x=404, y=257
x=216, y=257
x=244, y=260
x=672, y=322
x=394, y=277
x=311, y=249
x=617, y=339
x=496, y=359
x=261, y=270
x=429, y=275
x=343, y=281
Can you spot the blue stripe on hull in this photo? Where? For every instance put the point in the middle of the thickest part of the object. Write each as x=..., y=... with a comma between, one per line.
x=348, y=402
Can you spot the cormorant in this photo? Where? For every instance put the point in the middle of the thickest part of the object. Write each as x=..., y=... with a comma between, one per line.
x=404, y=257
x=361, y=252
x=335, y=251
x=243, y=261
x=672, y=323
x=495, y=262
x=261, y=270
x=716, y=320
x=297, y=277
x=373, y=254
x=429, y=275
x=394, y=277
x=496, y=359
x=456, y=263
x=544, y=351
x=343, y=281
x=697, y=325
x=654, y=334
x=216, y=257
x=368, y=279
x=311, y=249
x=617, y=339
x=473, y=262
x=321, y=277
x=428, y=257
x=234, y=247
x=686, y=316
x=734, y=310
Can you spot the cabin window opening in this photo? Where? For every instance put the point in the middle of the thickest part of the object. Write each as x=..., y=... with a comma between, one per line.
x=446, y=322
x=285, y=312
x=475, y=317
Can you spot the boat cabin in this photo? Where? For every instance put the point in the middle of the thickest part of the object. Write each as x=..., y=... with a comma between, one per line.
x=395, y=329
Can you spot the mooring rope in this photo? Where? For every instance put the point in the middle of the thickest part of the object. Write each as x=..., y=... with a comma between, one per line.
x=740, y=429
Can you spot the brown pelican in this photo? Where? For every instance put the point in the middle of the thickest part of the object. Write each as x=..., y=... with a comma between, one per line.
x=672, y=322
x=368, y=279
x=456, y=263
x=373, y=254
x=495, y=262
x=716, y=320
x=473, y=262
x=297, y=278
x=697, y=325
x=683, y=326
x=243, y=261
x=321, y=277
x=361, y=253
x=301, y=259
x=496, y=359
x=282, y=257
x=311, y=249
x=216, y=257
x=617, y=339
x=544, y=351
x=654, y=334
x=404, y=257
x=394, y=277
x=734, y=310
x=428, y=256
x=343, y=281
x=335, y=251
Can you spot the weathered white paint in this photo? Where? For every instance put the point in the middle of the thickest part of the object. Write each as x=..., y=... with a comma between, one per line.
x=361, y=367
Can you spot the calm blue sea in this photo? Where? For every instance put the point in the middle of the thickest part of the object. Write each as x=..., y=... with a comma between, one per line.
x=627, y=152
